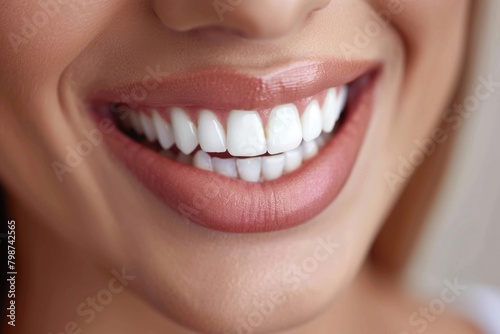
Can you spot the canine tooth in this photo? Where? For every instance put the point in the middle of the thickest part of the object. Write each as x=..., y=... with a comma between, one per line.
x=148, y=127
x=225, y=167
x=245, y=134
x=312, y=123
x=328, y=111
x=309, y=150
x=163, y=130
x=211, y=134
x=293, y=160
x=284, y=130
x=335, y=101
x=249, y=169
x=185, y=159
x=185, y=132
x=136, y=122
x=203, y=161
x=342, y=99
x=272, y=166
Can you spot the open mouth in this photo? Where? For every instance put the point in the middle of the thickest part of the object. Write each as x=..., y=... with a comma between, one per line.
x=271, y=156
x=250, y=145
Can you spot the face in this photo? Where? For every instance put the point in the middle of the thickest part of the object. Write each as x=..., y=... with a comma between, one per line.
x=233, y=155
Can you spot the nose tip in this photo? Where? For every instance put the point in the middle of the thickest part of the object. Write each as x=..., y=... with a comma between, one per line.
x=257, y=19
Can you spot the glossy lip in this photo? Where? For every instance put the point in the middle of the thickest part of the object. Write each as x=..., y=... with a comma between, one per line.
x=233, y=205
x=225, y=89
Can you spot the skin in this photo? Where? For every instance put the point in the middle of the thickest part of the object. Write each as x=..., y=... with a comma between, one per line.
x=188, y=278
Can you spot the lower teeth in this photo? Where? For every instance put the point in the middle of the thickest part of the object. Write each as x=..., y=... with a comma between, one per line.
x=255, y=169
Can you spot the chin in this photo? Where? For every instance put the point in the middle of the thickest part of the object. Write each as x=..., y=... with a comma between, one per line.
x=255, y=294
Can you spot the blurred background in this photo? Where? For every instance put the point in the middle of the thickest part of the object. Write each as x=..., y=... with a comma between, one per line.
x=462, y=238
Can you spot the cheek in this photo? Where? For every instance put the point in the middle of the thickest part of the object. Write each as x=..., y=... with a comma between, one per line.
x=41, y=40
x=43, y=37
x=435, y=36
x=40, y=44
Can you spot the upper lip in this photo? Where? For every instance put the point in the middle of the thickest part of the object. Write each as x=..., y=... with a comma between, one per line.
x=227, y=88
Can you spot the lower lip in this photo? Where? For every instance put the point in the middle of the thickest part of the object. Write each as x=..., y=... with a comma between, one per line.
x=232, y=205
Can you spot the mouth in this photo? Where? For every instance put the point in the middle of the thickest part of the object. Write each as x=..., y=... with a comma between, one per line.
x=240, y=152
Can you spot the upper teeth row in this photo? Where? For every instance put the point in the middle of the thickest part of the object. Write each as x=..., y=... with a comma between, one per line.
x=245, y=135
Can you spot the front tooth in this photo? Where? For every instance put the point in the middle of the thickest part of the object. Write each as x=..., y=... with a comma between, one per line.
x=332, y=108
x=245, y=134
x=136, y=122
x=225, y=167
x=148, y=126
x=164, y=131
x=309, y=150
x=312, y=123
x=185, y=132
x=284, y=131
x=293, y=160
x=211, y=134
x=249, y=169
x=203, y=161
x=272, y=167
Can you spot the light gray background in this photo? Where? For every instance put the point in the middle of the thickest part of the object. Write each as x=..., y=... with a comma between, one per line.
x=462, y=238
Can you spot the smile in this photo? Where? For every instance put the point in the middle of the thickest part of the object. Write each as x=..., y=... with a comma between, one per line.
x=245, y=152
x=255, y=152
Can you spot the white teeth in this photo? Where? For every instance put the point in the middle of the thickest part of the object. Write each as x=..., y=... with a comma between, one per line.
x=293, y=160
x=203, y=161
x=289, y=138
x=211, y=134
x=273, y=166
x=334, y=104
x=136, y=122
x=225, y=167
x=148, y=127
x=164, y=131
x=309, y=150
x=284, y=131
x=267, y=168
x=328, y=111
x=312, y=122
x=249, y=169
x=185, y=132
x=342, y=99
x=245, y=134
